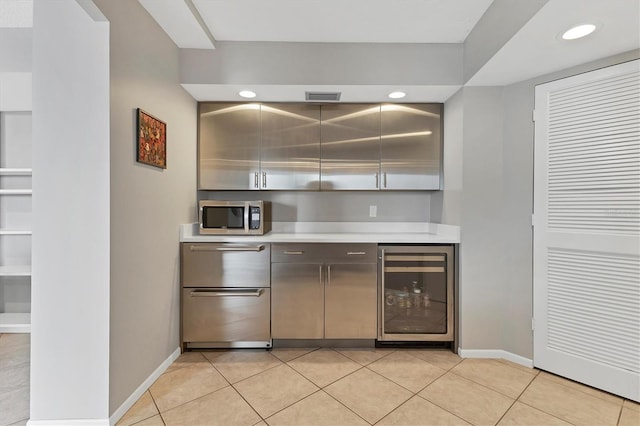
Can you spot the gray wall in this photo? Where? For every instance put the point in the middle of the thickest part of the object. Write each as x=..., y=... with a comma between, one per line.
x=502, y=20
x=481, y=260
x=323, y=63
x=493, y=147
x=336, y=206
x=147, y=203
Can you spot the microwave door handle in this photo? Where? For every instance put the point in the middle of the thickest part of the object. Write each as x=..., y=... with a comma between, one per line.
x=234, y=248
x=247, y=210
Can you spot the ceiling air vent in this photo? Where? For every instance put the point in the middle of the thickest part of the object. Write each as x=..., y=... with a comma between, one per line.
x=322, y=96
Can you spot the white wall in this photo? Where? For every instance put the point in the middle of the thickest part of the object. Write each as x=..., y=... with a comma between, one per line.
x=70, y=283
x=147, y=203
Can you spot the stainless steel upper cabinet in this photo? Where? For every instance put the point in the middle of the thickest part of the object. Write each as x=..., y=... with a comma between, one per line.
x=350, y=143
x=411, y=146
x=229, y=146
x=290, y=156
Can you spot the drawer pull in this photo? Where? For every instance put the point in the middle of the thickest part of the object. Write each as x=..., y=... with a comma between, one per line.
x=356, y=253
x=234, y=248
x=252, y=293
x=297, y=253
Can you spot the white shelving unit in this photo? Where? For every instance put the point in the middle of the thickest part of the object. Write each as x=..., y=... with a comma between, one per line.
x=14, y=275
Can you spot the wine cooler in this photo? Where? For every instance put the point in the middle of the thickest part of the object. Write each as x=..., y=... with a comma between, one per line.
x=416, y=293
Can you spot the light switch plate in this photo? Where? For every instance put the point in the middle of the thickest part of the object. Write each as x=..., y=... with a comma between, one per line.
x=373, y=211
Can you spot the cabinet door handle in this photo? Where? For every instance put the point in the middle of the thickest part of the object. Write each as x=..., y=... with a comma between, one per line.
x=255, y=180
x=384, y=179
x=377, y=181
x=250, y=293
x=291, y=252
x=356, y=253
x=235, y=248
x=264, y=179
x=328, y=274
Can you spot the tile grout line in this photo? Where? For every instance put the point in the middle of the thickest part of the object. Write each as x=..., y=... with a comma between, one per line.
x=247, y=402
x=537, y=408
x=517, y=399
x=437, y=405
x=577, y=388
x=156, y=405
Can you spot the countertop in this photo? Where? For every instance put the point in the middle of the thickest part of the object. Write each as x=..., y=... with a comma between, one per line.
x=337, y=232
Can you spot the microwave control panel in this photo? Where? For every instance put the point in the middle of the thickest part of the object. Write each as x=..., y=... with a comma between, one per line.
x=254, y=217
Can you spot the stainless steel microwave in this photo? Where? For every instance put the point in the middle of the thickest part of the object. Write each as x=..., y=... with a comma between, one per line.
x=234, y=217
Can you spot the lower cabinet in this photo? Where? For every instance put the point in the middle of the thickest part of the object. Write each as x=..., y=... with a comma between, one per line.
x=324, y=291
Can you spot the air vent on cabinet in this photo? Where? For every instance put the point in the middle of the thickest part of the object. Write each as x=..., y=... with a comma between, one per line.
x=322, y=96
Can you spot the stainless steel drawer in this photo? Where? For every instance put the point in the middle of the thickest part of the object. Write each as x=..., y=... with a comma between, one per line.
x=225, y=265
x=324, y=253
x=226, y=315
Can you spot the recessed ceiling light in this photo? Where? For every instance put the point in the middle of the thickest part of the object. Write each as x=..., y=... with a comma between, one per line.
x=247, y=94
x=397, y=95
x=578, y=31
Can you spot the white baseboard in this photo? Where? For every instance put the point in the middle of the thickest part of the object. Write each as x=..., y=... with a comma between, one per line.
x=495, y=353
x=117, y=415
x=69, y=422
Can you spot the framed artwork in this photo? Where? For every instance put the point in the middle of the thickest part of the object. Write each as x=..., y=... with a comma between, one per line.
x=151, y=140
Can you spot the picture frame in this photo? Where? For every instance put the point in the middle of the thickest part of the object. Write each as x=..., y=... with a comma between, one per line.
x=151, y=140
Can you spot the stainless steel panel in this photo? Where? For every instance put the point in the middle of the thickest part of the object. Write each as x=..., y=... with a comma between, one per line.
x=324, y=253
x=297, y=301
x=350, y=146
x=401, y=315
x=228, y=145
x=290, y=157
x=350, y=301
x=242, y=315
x=411, y=146
x=225, y=265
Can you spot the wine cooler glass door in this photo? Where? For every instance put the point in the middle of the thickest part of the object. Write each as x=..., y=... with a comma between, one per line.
x=417, y=293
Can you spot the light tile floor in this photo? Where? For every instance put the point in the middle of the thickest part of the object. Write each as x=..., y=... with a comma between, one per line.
x=14, y=379
x=341, y=387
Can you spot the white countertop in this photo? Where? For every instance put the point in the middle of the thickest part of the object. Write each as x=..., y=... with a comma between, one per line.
x=337, y=232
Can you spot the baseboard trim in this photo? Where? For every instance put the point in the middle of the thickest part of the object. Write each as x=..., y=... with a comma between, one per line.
x=495, y=353
x=69, y=422
x=117, y=415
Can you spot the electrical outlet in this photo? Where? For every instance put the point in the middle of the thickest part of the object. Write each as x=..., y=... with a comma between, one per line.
x=373, y=211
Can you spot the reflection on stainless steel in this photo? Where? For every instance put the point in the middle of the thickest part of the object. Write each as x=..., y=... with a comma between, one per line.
x=410, y=109
x=306, y=146
x=323, y=291
x=411, y=146
x=290, y=157
x=226, y=297
x=228, y=145
x=348, y=165
x=229, y=109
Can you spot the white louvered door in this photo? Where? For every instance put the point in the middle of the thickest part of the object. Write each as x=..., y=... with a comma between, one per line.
x=587, y=228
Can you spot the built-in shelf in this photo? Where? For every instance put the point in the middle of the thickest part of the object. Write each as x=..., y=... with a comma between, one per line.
x=15, y=323
x=15, y=271
x=15, y=192
x=5, y=171
x=15, y=232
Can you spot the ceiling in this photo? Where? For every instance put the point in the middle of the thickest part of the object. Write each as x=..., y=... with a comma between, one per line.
x=329, y=21
x=534, y=50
